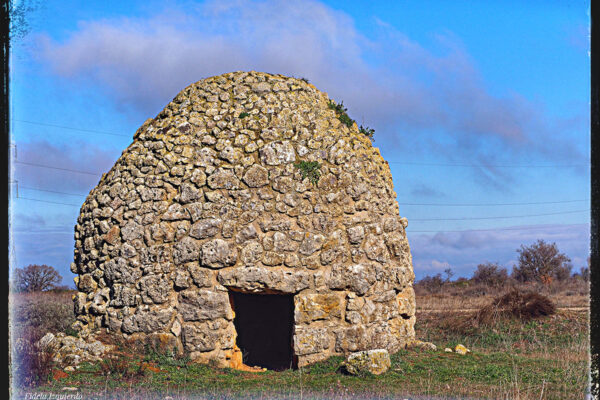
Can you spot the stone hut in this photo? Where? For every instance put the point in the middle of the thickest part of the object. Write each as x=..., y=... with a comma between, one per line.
x=247, y=223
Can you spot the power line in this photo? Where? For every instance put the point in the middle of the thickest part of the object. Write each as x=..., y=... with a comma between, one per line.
x=44, y=232
x=72, y=128
x=413, y=219
x=487, y=166
x=52, y=191
x=60, y=169
x=47, y=201
x=429, y=204
x=499, y=217
x=479, y=230
x=426, y=204
x=16, y=183
x=404, y=204
x=390, y=162
x=489, y=204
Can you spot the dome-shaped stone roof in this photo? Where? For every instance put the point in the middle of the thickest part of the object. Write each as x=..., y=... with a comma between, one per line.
x=246, y=183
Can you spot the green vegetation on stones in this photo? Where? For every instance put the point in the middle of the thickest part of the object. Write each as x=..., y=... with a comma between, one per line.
x=243, y=115
x=71, y=332
x=368, y=132
x=342, y=114
x=310, y=170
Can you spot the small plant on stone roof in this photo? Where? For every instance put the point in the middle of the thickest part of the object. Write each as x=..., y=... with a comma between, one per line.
x=341, y=112
x=368, y=132
x=243, y=115
x=305, y=80
x=310, y=170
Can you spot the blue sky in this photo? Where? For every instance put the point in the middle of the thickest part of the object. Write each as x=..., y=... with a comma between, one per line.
x=482, y=103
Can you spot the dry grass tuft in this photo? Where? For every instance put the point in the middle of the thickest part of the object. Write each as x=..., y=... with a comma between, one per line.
x=515, y=304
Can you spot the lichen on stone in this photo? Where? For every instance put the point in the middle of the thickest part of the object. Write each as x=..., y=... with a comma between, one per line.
x=246, y=182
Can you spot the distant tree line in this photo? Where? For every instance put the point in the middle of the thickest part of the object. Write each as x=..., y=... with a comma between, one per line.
x=541, y=262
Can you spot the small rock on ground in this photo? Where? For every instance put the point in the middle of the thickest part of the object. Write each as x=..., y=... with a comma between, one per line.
x=419, y=344
x=462, y=350
x=375, y=362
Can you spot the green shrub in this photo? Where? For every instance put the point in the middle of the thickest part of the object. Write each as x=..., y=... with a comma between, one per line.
x=338, y=108
x=310, y=170
x=163, y=355
x=346, y=120
x=341, y=112
x=368, y=132
x=244, y=115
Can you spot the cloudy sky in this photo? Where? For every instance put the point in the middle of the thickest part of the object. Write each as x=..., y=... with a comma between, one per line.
x=481, y=108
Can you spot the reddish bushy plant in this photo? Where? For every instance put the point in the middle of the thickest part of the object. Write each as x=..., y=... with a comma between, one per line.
x=541, y=262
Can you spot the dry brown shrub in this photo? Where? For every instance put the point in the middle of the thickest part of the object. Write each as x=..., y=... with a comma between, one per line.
x=41, y=312
x=515, y=304
x=30, y=365
x=32, y=316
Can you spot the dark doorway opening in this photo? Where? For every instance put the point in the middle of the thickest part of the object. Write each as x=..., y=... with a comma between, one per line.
x=264, y=325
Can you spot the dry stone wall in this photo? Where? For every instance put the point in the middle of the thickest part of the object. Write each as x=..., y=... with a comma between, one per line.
x=209, y=199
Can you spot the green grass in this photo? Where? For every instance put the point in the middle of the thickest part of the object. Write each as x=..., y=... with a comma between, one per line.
x=545, y=358
x=561, y=331
x=492, y=370
x=418, y=372
x=550, y=352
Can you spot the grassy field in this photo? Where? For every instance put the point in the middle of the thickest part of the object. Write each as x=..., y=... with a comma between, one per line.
x=545, y=358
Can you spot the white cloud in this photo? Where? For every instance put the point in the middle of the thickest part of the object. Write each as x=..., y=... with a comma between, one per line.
x=411, y=95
